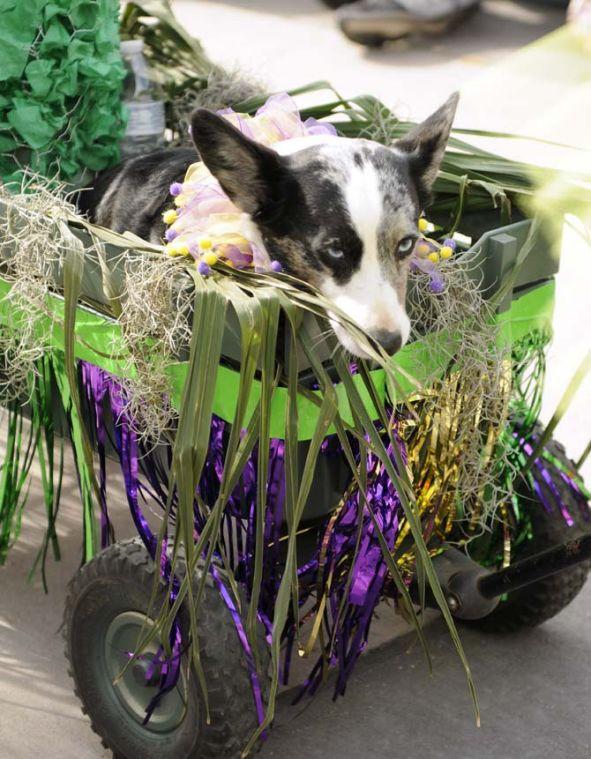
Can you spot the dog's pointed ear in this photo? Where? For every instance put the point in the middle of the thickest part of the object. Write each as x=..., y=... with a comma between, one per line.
x=425, y=145
x=251, y=174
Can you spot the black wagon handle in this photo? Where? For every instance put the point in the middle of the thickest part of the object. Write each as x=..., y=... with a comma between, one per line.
x=473, y=592
x=536, y=567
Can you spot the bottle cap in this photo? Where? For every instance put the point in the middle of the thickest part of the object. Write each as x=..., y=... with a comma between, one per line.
x=129, y=47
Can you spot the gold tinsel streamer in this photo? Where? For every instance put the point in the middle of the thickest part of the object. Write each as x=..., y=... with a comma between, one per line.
x=435, y=438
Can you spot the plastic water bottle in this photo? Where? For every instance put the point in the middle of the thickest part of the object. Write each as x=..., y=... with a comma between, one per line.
x=145, y=110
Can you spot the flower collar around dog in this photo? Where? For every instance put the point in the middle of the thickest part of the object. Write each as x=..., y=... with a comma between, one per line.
x=205, y=224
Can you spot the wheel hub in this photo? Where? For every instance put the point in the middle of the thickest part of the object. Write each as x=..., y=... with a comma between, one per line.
x=136, y=685
x=146, y=671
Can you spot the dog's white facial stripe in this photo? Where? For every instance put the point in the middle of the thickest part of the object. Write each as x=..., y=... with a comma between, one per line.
x=365, y=206
x=368, y=297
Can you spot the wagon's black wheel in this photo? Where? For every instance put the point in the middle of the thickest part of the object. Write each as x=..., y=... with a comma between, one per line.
x=105, y=611
x=538, y=602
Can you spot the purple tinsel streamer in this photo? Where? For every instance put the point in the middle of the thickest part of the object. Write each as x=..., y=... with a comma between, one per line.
x=95, y=391
x=100, y=386
x=349, y=610
x=549, y=504
x=349, y=573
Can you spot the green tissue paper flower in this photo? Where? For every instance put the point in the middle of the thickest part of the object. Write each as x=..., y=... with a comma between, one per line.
x=60, y=88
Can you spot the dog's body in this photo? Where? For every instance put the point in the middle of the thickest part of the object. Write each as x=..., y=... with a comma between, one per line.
x=339, y=214
x=132, y=196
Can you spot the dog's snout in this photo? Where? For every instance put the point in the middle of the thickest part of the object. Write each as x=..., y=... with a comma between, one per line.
x=390, y=341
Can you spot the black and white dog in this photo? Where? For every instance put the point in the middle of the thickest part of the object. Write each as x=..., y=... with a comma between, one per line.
x=340, y=214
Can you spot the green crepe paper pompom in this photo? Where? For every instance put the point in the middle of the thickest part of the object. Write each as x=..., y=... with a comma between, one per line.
x=61, y=79
x=33, y=123
x=18, y=26
x=55, y=39
x=39, y=77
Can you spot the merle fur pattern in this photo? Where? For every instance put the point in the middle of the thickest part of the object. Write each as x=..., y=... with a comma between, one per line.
x=133, y=195
x=340, y=214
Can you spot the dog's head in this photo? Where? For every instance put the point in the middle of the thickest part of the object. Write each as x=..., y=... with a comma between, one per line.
x=338, y=213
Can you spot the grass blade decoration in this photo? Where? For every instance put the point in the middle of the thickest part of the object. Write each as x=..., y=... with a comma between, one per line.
x=191, y=442
x=67, y=380
x=42, y=419
x=291, y=431
x=583, y=457
x=270, y=310
x=283, y=600
x=398, y=475
x=360, y=477
x=21, y=439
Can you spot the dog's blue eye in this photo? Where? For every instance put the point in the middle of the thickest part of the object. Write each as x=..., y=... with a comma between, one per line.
x=405, y=246
x=336, y=254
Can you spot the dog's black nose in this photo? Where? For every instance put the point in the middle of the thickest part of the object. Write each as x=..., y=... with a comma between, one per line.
x=390, y=341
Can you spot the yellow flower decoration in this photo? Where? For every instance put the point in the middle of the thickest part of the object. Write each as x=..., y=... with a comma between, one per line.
x=170, y=216
x=210, y=258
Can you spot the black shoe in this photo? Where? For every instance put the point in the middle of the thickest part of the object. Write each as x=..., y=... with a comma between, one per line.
x=373, y=22
x=337, y=3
